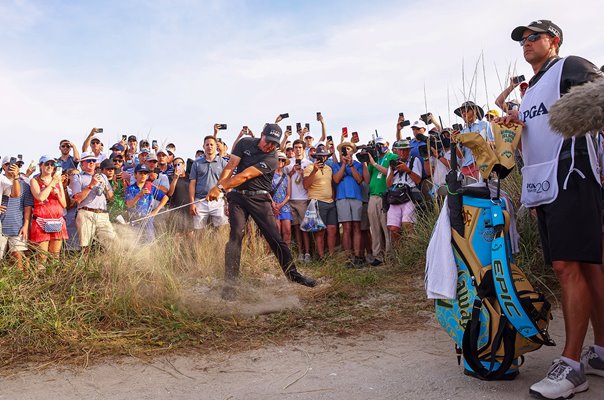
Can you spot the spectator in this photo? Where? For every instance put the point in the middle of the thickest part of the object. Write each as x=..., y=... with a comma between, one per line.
x=164, y=164
x=92, y=191
x=440, y=163
x=472, y=116
x=72, y=243
x=93, y=143
x=419, y=149
x=318, y=181
x=139, y=200
x=118, y=182
x=48, y=229
x=348, y=175
x=406, y=175
x=68, y=161
x=117, y=149
x=180, y=218
x=132, y=149
x=280, y=193
x=375, y=175
x=299, y=198
x=205, y=173
x=491, y=115
x=161, y=181
x=17, y=215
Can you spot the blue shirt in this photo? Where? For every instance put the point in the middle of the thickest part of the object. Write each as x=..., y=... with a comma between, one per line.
x=96, y=197
x=70, y=163
x=482, y=127
x=415, y=145
x=206, y=174
x=348, y=188
x=144, y=205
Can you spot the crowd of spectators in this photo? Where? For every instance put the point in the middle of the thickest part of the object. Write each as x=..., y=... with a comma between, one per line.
x=74, y=200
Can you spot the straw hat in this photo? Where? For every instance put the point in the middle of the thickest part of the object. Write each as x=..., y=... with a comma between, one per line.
x=348, y=144
x=282, y=155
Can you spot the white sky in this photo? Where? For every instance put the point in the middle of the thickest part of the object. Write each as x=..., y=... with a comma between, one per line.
x=173, y=68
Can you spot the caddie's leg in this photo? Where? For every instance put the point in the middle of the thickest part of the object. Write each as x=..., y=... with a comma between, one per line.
x=594, y=275
x=576, y=305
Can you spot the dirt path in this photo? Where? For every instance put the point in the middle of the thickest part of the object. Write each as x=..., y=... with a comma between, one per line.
x=386, y=365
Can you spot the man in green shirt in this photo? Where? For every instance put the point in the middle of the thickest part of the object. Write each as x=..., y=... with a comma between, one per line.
x=374, y=174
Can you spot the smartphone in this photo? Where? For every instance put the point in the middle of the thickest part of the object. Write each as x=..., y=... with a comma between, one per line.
x=344, y=151
x=59, y=171
x=457, y=127
x=154, y=143
x=246, y=129
x=318, y=115
x=20, y=157
x=401, y=114
x=307, y=125
x=298, y=126
x=222, y=127
x=288, y=128
x=345, y=132
x=283, y=116
x=406, y=123
x=124, y=137
x=355, y=137
x=298, y=161
x=13, y=161
x=426, y=118
x=148, y=186
x=518, y=79
x=129, y=162
x=330, y=138
x=179, y=169
x=99, y=130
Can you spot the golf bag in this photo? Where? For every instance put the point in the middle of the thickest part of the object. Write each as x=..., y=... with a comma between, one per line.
x=497, y=315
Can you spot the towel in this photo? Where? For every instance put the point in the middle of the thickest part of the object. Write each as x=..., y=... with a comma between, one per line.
x=441, y=271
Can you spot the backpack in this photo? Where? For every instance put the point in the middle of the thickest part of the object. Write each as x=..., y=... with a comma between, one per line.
x=497, y=316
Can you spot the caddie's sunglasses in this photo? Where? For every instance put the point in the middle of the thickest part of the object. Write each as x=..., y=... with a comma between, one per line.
x=533, y=37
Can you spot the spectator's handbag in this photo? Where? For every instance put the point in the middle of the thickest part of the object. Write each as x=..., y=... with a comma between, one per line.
x=312, y=221
x=50, y=225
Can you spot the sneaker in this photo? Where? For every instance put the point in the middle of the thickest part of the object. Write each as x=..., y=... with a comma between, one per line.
x=376, y=262
x=561, y=382
x=297, y=277
x=592, y=363
x=356, y=263
x=301, y=257
x=369, y=258
x=307, y=258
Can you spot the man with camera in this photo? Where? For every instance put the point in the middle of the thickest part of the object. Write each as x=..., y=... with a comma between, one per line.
x=91, y=191
x=204, y=175
x=569, y=211
x=255, y=160
x=348, y=175
x=67, y=160
x=375, y=170
x=318, y=181
x=404, y=174
x=299, y=198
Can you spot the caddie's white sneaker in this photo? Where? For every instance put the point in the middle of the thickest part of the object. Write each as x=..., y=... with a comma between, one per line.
x=592, y=363
x=561, y=382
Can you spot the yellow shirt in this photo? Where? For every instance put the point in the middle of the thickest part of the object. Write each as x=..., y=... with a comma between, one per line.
x=321, y=188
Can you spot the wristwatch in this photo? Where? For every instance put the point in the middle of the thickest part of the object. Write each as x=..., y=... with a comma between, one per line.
x=221, y=188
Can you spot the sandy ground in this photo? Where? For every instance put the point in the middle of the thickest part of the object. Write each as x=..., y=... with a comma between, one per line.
x=385, y=365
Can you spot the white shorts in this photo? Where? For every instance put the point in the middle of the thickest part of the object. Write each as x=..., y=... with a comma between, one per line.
x=401, y=213
x=209, y=211
x=14, y=243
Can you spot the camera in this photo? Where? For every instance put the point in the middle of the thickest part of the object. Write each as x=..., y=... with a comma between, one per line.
x=436, y=140
x=365, y=150
x=427, y=118
x=298, y=161
x=457, y=127
x=395, y=163
x=330, y=138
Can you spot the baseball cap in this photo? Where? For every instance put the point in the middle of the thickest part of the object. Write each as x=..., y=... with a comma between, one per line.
x=87, y=156
x=540, y=25
x=419, y=124
x=107, y=164
x=380, y=140
x=6, y=160
x=161, y=151
x=272, y=133
x=401, y=144
x=308, y=135
x=43, y=159
x=493, y=113
x=141, y=168
x=132, y=138
x=152, y=157
x=144, y=150
x=117, y=147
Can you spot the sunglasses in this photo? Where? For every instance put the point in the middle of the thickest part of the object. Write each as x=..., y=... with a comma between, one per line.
x=95, y=142
x=533, y=37
x=49, y=164
x=65, y=146
x=282, y=160
x=118, y=160
x=89, y=161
